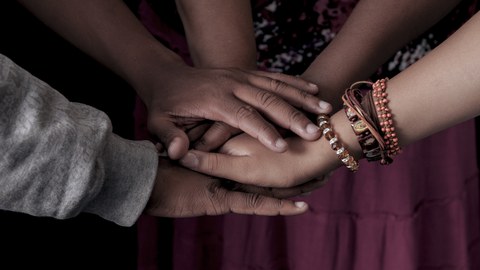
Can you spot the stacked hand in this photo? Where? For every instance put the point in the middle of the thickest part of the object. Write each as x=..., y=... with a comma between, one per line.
x=180, y=106
x=244, y=160
x=204, y=108
x=179, y=192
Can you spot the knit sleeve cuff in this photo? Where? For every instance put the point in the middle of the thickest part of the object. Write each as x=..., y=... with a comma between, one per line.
x=130, y=171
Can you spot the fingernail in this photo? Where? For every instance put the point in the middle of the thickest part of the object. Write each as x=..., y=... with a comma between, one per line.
x=312, y=85
x=281, y=144
x=300, y=204
x=312, y=129
x=324, y=106
x=189, y=160
x=175, y=148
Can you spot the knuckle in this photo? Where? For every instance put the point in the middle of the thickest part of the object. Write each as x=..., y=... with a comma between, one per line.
x=215, y=190
x=278, y=204
x=253, y=200
x=217, y=196
x=267, y=99
x=303, y=94
x=245, y=112
x=296, y=116
x=277, y=85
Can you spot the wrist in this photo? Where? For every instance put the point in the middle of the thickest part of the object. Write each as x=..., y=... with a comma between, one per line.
x=335, y=69
x=155, y=63
x=324, y=158
x=343, y=129
x=331, y=87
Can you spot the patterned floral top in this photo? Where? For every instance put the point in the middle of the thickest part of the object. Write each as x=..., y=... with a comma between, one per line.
x=290, y=34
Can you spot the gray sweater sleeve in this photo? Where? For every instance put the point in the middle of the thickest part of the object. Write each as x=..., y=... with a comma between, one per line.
x=59, y=158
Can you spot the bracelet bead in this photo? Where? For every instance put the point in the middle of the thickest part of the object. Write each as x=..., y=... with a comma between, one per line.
x=342, y=153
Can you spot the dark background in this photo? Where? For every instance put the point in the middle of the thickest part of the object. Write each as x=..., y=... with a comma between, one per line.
x=87, y=241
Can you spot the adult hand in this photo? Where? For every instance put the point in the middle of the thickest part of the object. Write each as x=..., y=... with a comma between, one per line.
x=182, y=97
x=246, y=161
x=279, y=193
x=179, y=192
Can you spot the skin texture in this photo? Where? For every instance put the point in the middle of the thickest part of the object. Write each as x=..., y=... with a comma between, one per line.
x=214, y=44
x=181, y=98
x=218, y=45
x=355, y=53
x=421, y=100
x=243, y=99
x=374, y=31
x=182, y=193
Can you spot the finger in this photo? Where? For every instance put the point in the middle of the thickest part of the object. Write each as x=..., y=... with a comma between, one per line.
x=279, y=193
x=293, y=95
x=294, y=81
x=237, y=168
x=161, y=150
x=249, y=120
x=223, y=201
x=197, y=132
x=215, y=136
x=302, y=189
x=159, y=147
x=255, y=204
x=174, y=139
x=280, y=112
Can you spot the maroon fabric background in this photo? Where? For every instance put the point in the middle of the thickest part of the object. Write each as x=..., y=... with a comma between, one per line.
x=421, y=212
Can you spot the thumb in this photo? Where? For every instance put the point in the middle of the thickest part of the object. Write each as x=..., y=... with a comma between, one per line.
x=237, y=168
x=219, y=165
x=175, y=139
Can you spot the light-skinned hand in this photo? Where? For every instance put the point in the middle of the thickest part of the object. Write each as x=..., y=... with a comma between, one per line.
x=245, y=160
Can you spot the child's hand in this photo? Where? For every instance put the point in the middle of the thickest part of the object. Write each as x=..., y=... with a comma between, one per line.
x=245, y=160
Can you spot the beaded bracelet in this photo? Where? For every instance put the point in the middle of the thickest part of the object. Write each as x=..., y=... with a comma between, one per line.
x=326, y=128
x=371, y=121
x=385, y=116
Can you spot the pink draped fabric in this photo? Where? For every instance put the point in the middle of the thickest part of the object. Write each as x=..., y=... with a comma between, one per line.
x=413, y=218
x=421, y=212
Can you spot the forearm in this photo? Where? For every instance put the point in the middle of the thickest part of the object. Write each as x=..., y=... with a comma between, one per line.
x=372, y=33
x=442, y=90
x=439, y=91
x=108, y=31
x=61, y=158
x=219, y=33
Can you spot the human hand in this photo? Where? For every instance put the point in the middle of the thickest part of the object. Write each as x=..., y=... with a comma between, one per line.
x=179, y=192
x=246, y=161
x=184, y=97
x=279, y=193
